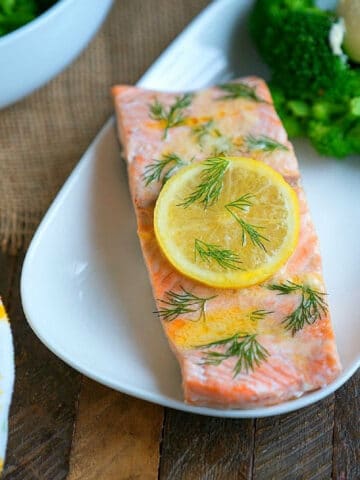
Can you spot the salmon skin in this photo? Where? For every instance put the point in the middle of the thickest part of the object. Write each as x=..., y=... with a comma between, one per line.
x=240, y=121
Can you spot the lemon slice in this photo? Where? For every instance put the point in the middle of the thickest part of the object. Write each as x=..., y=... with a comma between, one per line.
x=228, y=222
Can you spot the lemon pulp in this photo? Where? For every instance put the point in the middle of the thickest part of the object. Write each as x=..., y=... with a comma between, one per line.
x=272, y=211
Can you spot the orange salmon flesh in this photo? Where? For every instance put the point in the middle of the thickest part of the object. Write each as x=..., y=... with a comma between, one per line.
x=296, y=363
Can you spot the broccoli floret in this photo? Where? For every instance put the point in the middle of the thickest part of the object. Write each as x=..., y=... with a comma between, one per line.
x=323, y=110
x=16, y=13
x=329, y=139
x=353, y=137
x=316, y=93
x=299, y=108
x=341, y=136
x=293, y=39
x=293, y=126
x=355, y=106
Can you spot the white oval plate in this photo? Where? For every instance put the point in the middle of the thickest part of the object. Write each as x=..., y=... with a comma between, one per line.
x=84, y=286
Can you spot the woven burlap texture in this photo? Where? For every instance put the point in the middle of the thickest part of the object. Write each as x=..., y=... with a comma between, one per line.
x=44, y=136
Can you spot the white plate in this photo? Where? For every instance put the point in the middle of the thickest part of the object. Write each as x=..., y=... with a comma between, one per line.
x=84, y=286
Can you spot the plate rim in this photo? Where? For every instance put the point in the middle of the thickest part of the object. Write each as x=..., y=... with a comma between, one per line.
x=160, y=399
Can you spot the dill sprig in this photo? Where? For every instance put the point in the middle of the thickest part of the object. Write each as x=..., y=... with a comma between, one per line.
x=248, y=230
x=249, y=352
x=264, y=143
x=227, y=259
x=240, y=90
x=157, y=170
x=311, y=307
x=242, y=203
x=257, y=315
x=285, y=288
x=181, y=303
x=208, y=191
x=252, y=231
x=172, y=116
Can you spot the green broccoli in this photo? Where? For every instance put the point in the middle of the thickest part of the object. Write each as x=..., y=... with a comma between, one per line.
x=353, y=136
x=315, y=92
x=293, y=39
x=293, y=125
x=16, y=13
x=333, y=128
x=329, y=139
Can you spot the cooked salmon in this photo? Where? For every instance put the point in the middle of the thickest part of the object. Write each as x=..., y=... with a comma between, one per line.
x=298, y=359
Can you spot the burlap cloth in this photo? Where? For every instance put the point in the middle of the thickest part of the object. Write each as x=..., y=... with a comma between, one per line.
x=43, y=136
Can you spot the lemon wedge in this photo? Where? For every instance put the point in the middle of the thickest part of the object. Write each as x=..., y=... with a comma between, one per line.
x=228, y=222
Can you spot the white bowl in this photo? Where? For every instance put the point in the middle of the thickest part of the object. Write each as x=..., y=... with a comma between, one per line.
x=33, y=54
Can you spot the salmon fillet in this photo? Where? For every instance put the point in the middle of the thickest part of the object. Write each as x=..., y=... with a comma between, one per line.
x=297, y=362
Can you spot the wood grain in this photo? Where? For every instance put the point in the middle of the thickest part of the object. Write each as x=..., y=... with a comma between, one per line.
x=43, y=408
x=296, y=446
x=196, y=447
x=117, y=437
x=8, y=266
x=346, y=460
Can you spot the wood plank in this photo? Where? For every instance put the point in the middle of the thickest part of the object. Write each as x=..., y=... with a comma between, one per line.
x=8, y=265
x=198, y=447
x=295, y=446
x=43, y=408
x=116, y=437
x=346, y=460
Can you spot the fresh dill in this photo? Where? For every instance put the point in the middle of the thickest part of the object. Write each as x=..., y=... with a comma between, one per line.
x=311, y=307
x=172, y=116
x=252, y=232
x=162, y=168
x=227, y=259
x=257, y=315
x=248, y=230
x=248, y=351
x=264, y=143
x=181, y=303
x=208, y=191
x=242, y=203
x=285, y=288
x=240, y=90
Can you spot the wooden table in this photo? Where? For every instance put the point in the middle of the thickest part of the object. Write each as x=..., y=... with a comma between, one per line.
x=63, y=425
